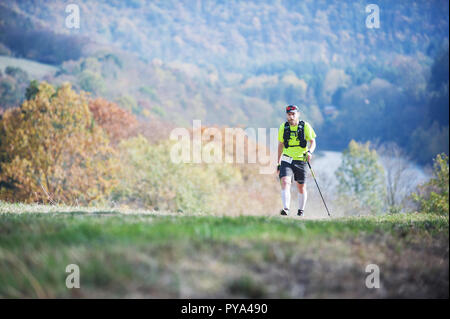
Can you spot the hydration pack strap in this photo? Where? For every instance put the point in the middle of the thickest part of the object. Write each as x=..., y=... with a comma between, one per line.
x=300, y=135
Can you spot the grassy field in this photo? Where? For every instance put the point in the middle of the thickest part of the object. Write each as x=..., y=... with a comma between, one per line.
x=161, y=255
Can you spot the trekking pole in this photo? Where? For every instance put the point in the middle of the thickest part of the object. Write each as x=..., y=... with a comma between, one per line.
x=314, y=176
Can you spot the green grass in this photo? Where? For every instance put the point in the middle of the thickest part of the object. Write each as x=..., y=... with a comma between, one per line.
x=156, y=255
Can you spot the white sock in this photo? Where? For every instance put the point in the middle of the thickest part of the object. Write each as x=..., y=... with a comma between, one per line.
x=302, y=200
x=286, y=197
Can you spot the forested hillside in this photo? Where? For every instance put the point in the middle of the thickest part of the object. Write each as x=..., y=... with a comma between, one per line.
x=238, y=62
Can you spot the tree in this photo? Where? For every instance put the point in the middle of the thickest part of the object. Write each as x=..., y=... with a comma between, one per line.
x=361, y=179
x=32, y=90
x=91, y=82
x=12, y=86
x=20, y=75
x=400, y=177
x=51, y=150
x=118, y=123
x=432, y=196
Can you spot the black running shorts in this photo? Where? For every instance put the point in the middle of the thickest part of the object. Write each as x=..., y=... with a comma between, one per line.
x=296, y=168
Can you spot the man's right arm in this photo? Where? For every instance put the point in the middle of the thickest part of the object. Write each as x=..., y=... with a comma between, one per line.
x=280, y=150
x=280, y=144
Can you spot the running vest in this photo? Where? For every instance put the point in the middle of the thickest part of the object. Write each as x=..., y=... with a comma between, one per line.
x=300, y=134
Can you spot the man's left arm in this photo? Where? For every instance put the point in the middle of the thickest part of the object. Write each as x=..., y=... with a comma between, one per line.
x=312, y=147
x=311, y=137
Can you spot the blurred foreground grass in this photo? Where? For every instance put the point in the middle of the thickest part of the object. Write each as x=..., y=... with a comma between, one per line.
x=154, y=255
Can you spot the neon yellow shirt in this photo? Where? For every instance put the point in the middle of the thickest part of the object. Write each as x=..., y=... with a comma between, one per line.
x=296, y=152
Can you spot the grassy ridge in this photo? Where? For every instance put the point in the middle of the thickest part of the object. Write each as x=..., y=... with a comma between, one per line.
x=159, y=256
x=35, y=69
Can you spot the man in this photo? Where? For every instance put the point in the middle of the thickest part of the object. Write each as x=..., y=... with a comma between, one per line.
x=292, y=152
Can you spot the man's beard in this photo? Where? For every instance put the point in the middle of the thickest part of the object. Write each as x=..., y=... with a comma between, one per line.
x=292, y=122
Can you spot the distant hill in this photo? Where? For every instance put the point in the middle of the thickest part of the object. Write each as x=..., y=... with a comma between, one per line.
x=239, y=62
x=238, y=34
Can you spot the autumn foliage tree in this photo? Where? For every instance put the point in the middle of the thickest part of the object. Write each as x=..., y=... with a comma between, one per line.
x=118, y=123
x=51, y=149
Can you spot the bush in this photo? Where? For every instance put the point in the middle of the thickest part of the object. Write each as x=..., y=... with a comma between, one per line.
x=151, y=180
